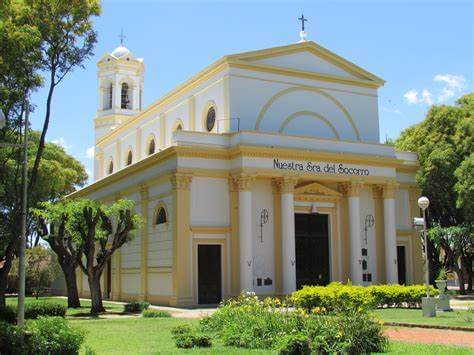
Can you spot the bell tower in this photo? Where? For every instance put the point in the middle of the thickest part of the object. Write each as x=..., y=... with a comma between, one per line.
x=120, y=89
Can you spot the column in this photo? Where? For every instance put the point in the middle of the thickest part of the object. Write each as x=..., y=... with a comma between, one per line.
x=353, y=194
x=377, y=195
x=390, y=231
x=182, y=282
x=144, y=197
x=244, y=183
x=288, y=260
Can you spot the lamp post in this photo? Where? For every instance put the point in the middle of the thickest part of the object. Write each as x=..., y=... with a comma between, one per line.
x=428, y=304
x=24, y=210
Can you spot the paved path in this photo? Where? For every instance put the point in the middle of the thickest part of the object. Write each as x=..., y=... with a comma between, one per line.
x=431, y=336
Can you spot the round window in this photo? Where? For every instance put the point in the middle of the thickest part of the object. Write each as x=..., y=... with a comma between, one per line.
x=210, y=119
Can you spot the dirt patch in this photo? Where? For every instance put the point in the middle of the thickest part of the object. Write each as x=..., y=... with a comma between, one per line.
x=431, y=336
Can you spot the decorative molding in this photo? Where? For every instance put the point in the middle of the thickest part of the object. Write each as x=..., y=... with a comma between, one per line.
x=243, y=182
x=287, y=184
x=316, y=188
x=210, y=229
x=377, y=191
x=181, y=181
x=351, y=189
x=389, y=190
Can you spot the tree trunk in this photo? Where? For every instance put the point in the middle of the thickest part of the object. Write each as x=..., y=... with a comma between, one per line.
x=96, y=293
x=71, y=286
x=4, y=271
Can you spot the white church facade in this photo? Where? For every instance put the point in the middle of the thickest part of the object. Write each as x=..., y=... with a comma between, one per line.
x=263, y=172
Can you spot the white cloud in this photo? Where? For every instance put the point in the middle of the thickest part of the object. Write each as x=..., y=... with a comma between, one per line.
x=90, y=152
x=452, y=81
x=62, y=142
x=453, y=86
x=411, y=96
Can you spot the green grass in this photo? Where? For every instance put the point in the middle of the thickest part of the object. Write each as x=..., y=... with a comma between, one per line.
x=414, y=316
x=397, y=347
x=84, y=310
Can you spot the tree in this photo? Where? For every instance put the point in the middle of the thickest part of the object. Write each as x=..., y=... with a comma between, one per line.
x=444, y=142
x=52, y=227
x=58, y=174
x=36, y=37
x=41, y=269
x=93, y=233
x=68, y=39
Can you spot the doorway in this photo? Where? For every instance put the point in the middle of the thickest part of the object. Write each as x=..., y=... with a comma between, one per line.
x=401, y=265
x=209, y=274
x=312, y=249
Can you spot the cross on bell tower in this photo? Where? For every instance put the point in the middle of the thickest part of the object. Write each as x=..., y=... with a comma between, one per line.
x=122, y=37
x=302, y=32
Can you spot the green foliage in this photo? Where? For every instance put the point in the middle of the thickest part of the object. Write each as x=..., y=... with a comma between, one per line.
x=444, y=141
x=186, y=337
x=443, y=274
x=35, y=310
x=12, y=339
x=8, y=314
x=248, y=322
x=41, y=269
x=54, y=335
x=339, y=297
x=135, y=307
x=43, y=336
x=155, y=313
x=295, y=344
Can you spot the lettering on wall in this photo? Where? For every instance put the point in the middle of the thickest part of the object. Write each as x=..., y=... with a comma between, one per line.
x=323, y=168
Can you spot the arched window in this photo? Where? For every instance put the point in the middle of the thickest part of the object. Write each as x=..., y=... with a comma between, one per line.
x=151, y=146
x=179, y=127
x=210, y=119
x=110, y=168
x=109, y=96
x=125, y=99
x=161, y=216
x=129, y=157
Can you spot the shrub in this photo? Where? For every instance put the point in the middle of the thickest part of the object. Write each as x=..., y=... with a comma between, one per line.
x=185, y=337
x=44, y=309
x=297, y=344
x=8, y=314
x=339, y=297
x=250, y=323
x=181, y=329
x=54, y=335
x=11, y=339
x=135, y=307
x=155, y=313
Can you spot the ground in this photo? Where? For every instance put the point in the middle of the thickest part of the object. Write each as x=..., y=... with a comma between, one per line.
x=125, y=334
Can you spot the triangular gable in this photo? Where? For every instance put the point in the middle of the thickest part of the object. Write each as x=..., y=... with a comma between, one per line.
x=315, y=188
x=306, y=57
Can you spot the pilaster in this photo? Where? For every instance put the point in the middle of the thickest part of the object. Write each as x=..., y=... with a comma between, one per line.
x=377, y=195
x=277, y=244
x=162, y=131
x=235, y=237
x=182, y=289
x=144, y=199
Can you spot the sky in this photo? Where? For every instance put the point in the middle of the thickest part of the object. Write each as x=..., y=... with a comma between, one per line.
x=423, y=49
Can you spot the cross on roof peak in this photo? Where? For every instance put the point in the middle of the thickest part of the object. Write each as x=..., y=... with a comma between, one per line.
x=122, y=37
x=303, y=20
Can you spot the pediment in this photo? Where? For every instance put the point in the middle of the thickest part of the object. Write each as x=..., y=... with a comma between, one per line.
x=307, y=57
x=315, y=188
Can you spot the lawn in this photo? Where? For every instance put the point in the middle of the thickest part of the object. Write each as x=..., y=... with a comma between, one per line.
x=456, y=318
x=152, y=336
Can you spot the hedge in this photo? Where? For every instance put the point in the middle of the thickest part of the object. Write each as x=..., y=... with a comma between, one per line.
x=337, y=296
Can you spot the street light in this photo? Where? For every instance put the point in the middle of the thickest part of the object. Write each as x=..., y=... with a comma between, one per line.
x=24, y=201
x=428, y=304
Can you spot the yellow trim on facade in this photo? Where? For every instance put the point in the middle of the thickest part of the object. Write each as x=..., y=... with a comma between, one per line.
x=311, y=114
x=210, y=229
x=144, y=198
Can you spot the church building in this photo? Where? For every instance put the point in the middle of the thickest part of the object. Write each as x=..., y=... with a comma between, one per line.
x=263, y=172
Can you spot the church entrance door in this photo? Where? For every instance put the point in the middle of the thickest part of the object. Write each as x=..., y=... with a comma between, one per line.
x=312, y=249
x=209, y=274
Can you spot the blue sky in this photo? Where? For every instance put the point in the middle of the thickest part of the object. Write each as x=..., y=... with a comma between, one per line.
x=423, y=49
